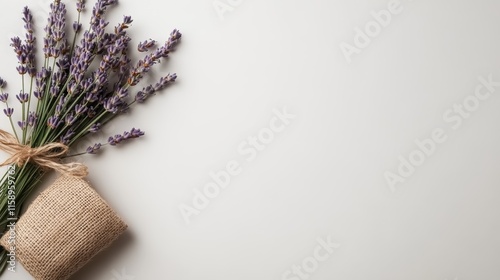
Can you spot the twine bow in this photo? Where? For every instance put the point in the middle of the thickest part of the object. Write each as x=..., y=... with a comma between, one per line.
x=47, y=156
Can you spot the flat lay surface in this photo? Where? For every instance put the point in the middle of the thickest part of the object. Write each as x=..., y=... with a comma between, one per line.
x=303, y=140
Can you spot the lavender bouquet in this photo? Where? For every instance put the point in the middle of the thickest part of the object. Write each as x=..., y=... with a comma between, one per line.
x=87, y=79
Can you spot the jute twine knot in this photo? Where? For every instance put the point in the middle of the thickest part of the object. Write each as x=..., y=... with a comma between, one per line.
x=47, y=156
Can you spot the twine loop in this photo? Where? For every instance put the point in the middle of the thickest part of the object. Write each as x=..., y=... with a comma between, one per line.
x=47, y=156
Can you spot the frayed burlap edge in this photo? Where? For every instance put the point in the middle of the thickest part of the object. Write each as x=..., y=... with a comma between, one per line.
x=63, y=229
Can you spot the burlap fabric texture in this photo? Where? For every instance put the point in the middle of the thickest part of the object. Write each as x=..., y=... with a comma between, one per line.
x=64, y=227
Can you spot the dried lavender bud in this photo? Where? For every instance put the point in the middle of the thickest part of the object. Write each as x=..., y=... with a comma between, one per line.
x=113, y=104
x=165, y=81
x=3, y=83
x=31, y=71
x=22, y=97
x=144, y=65
x=49, y=42
x=91, y=112
x=70, y=119
x=22, y=124
x=115, y=140
x=17, y=45
x=77, y=27
x=21, y=69
x=29, y=47
x=4, y=97
x=80, y=109
x=38, y=94
x=80, y=5
x=63, y=63
x=32, y=119
x=95, y=128
x=150, y=90
x=8, y=112
x=120, y=29
x=140, y=97
x=53, y=122
x=94, y=149
x=146, y=45
x=53, y=91
x=135, y=133
x=28, y=20
x=67, y=136
x=90, y=97
x=122, y=93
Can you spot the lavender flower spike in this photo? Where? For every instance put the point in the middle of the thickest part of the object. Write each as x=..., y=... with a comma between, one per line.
x=29, y=47
x=144, y=65
x=150, y=90
x=117, y=139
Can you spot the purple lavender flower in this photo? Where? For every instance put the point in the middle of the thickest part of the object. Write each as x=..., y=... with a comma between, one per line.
x=91, y=97
x=55, y=30
x=53, y=122
x=3, y=83
x=40, y=82
x=53, y=91
x=32, y=119
x=165, y=81
x=120, y=29
x=117, y=139
x=64, y=62
x=28, y=20
x=144, y=65
x=29, y=46
x=150, y=90
x=21, y=69
x=122, y=93
x=8, y=111
x=18, y=49
x=38, y=94
x=22, y=124
x=4, y=97
x=94, y=149
x=77, y=27
x=70, y=119
x=91, y=112
x=80, y=109
x=22, y=97
x=95, y=127
x=67, y=136
x=136, y=133
x=113, y=104
x=80, y=5
x=146, y=45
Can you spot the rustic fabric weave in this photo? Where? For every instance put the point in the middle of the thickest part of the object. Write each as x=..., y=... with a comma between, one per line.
x=64, y=227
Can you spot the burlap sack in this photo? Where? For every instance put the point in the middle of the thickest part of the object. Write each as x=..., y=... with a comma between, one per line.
x=64, y=227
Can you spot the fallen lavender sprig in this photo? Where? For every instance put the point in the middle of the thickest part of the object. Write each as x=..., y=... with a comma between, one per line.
x=65, y=98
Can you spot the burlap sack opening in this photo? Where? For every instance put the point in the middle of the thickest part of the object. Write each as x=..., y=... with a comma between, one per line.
x=64, y=227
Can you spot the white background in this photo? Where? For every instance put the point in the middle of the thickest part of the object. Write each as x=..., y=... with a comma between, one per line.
x=323, y=175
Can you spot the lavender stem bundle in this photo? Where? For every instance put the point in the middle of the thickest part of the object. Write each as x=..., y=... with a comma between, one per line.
x=87, y=79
